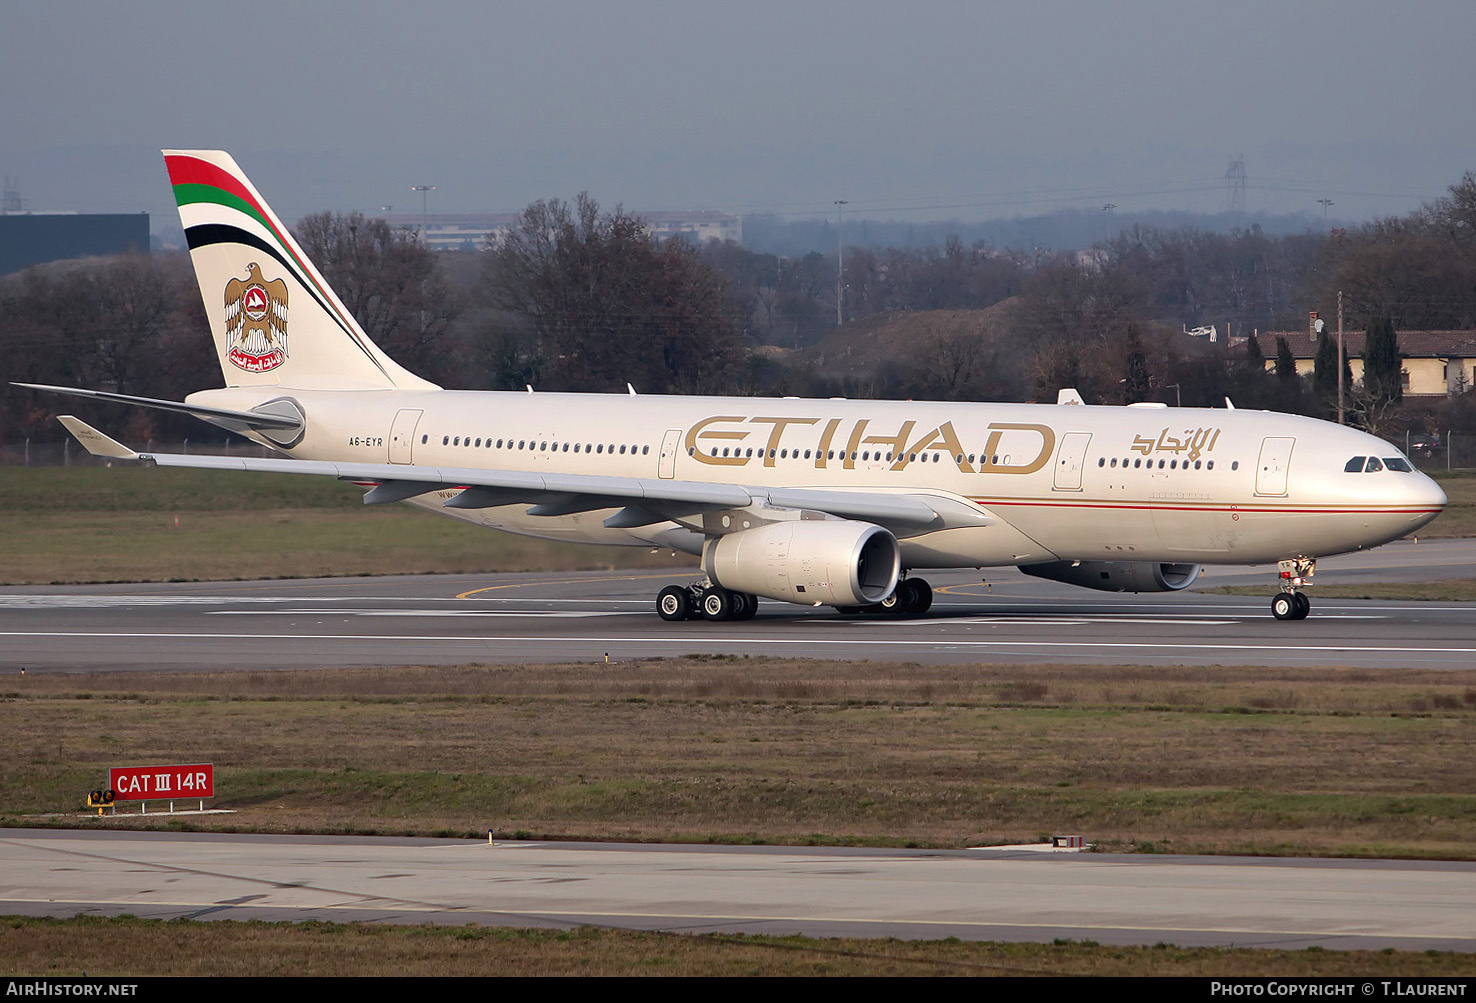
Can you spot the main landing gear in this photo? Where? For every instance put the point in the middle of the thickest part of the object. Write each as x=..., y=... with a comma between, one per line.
x=1290, y=603
x=911, y=597
x=706, y=601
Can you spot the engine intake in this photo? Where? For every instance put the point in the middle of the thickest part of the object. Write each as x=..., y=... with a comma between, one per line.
x=830, y=562
x=1117, y=576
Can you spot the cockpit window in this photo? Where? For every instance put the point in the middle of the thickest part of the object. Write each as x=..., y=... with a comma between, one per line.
x=1398, y=463
x=1354, y=465
x=1373, y=465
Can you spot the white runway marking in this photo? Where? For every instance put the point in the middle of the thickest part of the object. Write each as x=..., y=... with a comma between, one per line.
x=708, y=640
x=1050, y=621
x=455, y=613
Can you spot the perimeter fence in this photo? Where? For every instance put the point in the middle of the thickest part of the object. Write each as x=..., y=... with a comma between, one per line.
x=68, y=453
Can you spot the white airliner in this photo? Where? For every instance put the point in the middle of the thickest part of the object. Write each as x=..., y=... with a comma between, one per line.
x=819, y=502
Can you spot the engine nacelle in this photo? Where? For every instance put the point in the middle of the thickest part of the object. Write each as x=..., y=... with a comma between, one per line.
x=1117, y=576
x=830, y=562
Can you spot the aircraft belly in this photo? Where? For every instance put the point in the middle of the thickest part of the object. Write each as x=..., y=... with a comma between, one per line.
x=972, y=547
x=1084, y=530
x=585, y=527
x=1191, y=531
x=1316, y=532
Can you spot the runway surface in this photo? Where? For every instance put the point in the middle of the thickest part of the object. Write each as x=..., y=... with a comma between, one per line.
x=979, y=894
x=584, y=616
x=970, y=894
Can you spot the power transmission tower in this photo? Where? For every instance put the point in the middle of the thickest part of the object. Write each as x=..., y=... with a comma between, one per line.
x=1235, y=181
x=10, y=196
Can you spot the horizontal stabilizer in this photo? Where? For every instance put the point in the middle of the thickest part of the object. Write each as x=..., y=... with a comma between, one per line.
x=94, y=441
x=252, y=419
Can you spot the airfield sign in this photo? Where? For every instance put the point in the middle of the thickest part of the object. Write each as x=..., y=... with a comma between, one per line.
x=153, y=783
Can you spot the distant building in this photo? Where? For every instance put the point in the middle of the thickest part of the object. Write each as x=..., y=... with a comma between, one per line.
x=34, y=238
x=453, y=231
x=445, y=231
x=701, y=224
x=1435, y=363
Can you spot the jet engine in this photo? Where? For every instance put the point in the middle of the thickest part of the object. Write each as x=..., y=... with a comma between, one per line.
x=829, y=562
x=1117, y=576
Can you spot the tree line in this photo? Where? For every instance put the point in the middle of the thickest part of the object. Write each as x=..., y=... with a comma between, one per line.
x=575, y=297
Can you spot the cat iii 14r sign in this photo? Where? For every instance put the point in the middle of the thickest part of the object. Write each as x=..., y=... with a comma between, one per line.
x=154, y=783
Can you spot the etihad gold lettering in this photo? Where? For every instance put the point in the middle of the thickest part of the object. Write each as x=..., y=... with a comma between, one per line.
x=997, y=430
x=897, y=442
x=1007, y=445
x=942, y=437
x=779, y=425
x=1193, y=443
x=850, y=457
x=699, y=431
x=825, y=439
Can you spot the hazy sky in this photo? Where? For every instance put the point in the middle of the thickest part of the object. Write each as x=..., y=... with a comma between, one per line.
x=921, y=109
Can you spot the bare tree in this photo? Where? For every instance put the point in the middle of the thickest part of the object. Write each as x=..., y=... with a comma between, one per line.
x=390, y=282
x=608, y=305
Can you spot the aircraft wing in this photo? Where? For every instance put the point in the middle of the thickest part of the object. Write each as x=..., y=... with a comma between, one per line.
x=219, y=415
x=641, y=501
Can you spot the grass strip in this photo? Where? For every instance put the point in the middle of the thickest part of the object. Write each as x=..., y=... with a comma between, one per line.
x=129, y=946
x=75, y=525
x=1219, y=760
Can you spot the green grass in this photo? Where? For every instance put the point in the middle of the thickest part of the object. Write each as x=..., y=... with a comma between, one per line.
x=1294, y=761
x=1459, y=517
x=94, y=524
x=129, y=946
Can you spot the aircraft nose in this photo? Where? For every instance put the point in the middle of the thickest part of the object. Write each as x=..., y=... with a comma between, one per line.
x=1432, y=494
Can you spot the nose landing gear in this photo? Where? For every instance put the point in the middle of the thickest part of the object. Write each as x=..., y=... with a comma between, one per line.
x=1290, y=603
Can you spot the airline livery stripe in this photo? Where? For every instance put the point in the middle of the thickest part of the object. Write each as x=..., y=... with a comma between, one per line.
x=206, y=234
x=1207, y=507
x=204, y=194
x=187, y=174
x=192, y=171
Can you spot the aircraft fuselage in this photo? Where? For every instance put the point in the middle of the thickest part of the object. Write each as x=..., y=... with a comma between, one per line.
x=1048, y=482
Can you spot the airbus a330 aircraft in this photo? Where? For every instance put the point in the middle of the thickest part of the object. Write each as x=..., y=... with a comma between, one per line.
x=819, y=502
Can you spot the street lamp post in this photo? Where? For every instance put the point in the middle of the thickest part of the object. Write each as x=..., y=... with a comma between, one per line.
x=423, y=189
x=839, y=262
x=1325, y=203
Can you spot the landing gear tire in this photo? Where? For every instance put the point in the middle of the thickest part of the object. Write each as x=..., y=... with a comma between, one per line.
x=717, y=604
x=745, y=606
x=1291, y=606
x=911, y=597
x=918, y=598
x=674, y=603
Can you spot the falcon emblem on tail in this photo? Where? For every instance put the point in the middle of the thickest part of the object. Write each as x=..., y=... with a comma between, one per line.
x=256, y=321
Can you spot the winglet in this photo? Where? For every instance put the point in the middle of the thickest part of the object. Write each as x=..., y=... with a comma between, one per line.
x=94, y=441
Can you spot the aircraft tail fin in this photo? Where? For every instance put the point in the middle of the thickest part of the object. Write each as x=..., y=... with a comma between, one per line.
x=274, y=318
